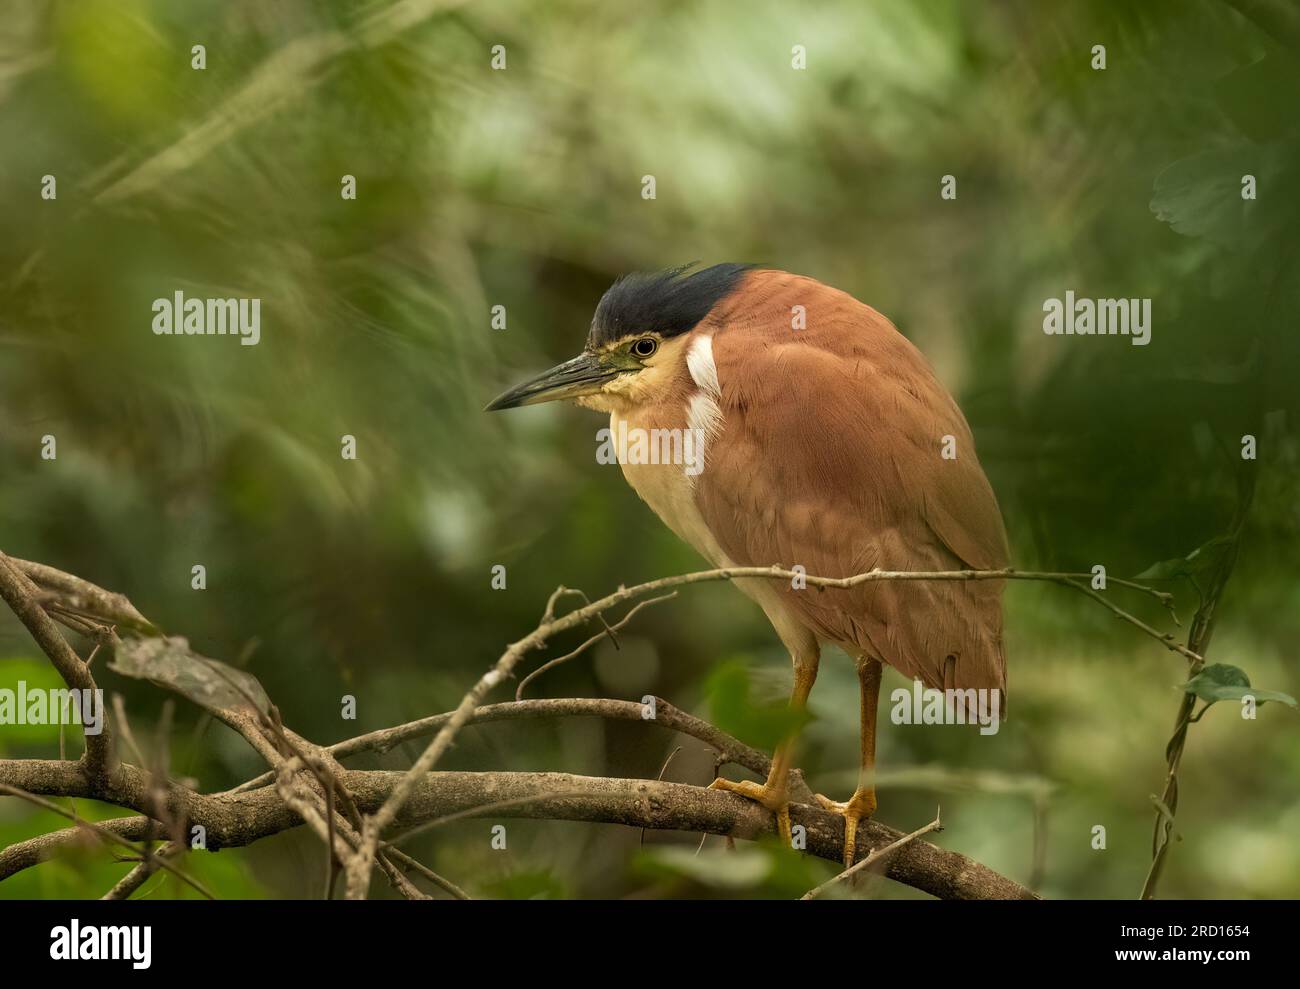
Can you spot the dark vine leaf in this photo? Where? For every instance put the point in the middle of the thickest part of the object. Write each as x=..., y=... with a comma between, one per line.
x=1200, y=196
x=1198, y=563
x=172, y=664
x=1224, y=682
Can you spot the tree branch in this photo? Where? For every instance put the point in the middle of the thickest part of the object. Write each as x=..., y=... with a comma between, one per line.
x=233, y=820
x=665, y=715
x=17, y=590
x=379, y=803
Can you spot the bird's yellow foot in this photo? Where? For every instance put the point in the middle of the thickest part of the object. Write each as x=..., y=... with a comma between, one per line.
x=775, y=799
x=857, y=808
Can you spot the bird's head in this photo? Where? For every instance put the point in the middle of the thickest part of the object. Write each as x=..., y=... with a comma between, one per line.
x=638, y=340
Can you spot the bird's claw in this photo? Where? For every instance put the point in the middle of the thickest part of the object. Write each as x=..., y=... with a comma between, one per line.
x=774, y=799
x=856, y=809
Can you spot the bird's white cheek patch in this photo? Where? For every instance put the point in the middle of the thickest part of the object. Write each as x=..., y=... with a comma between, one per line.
x=704, y=372
x=703, y=413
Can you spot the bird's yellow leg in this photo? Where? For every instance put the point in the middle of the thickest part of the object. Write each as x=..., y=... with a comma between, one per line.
x=862, y=804
x=774, y=794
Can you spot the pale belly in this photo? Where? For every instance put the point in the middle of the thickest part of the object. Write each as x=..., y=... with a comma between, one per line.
x=670, y=493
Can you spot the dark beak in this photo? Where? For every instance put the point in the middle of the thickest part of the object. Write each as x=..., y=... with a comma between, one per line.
x=584, y=375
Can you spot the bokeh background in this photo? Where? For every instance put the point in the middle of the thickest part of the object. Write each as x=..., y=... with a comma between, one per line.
x=522, y=188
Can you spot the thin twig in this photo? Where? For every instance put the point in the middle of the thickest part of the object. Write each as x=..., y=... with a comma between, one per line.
x=519, y=691
x=100, y=832
x=666, y=716
x=481, y=810
x=442, y=882
x=662, y=769
x=137, y=877
x=873, y=858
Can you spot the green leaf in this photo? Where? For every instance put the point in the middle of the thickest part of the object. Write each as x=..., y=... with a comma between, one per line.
x=734, y=710
x=1200, y=196
x=1272, y=695
x=1224, y=682
x=759, y=870
x=739, y=868
x=535, y=884
x=1198, y=563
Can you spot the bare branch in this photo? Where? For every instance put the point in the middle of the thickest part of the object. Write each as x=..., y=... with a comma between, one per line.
x=309, y=778
x=136, y=878
x=16, y=589
x=81, y=596
x=233, y=820
x=609, y=631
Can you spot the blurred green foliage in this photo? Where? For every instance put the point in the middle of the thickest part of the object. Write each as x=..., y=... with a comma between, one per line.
x=522, y=188
x=734, y=708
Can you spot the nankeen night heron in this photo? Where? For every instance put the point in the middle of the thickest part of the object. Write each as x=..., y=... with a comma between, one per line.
x=828, y=444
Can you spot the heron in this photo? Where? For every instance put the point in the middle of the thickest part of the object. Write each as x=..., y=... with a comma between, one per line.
x=826, y=442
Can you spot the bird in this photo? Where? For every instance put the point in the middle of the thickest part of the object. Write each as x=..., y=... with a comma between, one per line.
x=826, y=442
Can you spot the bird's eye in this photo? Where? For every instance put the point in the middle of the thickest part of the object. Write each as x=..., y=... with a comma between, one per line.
x=644, y=347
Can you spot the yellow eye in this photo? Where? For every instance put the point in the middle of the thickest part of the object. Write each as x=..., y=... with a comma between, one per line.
x=645, y=347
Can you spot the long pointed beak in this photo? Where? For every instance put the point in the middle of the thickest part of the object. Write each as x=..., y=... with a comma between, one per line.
x=584, y=375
